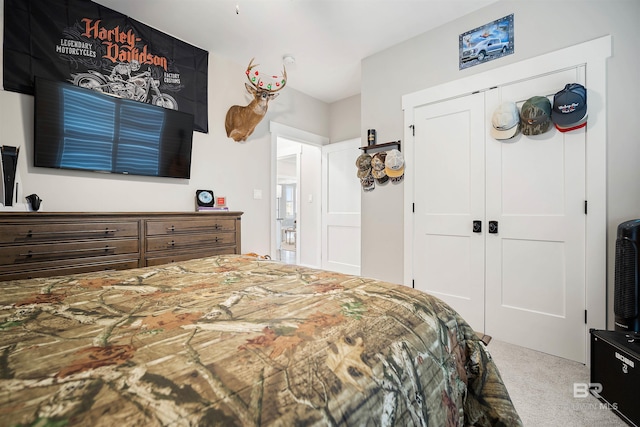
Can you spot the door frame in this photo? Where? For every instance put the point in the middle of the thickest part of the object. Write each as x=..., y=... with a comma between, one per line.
x=280, y=130
x=593, y=54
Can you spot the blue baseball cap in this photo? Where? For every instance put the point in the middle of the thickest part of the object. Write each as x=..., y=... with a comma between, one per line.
x=570, y=107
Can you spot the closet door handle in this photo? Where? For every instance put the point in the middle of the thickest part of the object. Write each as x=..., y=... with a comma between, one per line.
x=493, y=227
x=477, y=226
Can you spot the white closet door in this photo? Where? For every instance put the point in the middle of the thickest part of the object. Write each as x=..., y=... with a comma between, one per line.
x=524, y=284
x=535, y=190
x=448, y=258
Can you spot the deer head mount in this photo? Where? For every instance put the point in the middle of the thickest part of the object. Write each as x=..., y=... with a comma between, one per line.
x=242, y=120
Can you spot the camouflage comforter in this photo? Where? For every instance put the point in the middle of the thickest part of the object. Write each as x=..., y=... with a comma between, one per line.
x=237, y=341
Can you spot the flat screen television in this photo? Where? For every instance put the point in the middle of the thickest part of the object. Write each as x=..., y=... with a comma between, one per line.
x=83, y=129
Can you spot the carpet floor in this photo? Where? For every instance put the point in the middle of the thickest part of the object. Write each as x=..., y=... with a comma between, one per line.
x=541, y=388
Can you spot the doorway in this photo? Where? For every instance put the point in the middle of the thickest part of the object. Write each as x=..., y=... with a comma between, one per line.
x=326, y=200
x=296, y=195
x=287, y=199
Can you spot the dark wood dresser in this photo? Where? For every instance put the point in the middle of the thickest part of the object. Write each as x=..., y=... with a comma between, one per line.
x=41, y=244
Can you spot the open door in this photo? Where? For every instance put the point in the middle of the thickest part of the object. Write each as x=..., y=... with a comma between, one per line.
x=341, y=207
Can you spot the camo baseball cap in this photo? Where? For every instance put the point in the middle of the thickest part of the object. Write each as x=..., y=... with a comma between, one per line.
x=383, y=178
x=377, y=161
x=368, y=183
x=378, y=173
x=396, y=179
x=364, y=172
x=535, y=115
x=363, y=161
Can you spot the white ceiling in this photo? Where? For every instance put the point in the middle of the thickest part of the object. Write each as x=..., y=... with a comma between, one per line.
x=328, y=38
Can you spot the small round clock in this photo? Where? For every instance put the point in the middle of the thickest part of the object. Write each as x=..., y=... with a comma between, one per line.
x=204, y=198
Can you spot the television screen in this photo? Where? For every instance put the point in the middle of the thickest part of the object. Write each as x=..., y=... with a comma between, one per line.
x=79, y=128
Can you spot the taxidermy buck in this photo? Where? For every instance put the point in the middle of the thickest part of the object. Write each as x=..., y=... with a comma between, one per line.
x=241, y=121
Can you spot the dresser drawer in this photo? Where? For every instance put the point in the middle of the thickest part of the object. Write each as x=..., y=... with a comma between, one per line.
x=186, y=241
x=55, y=269
x=184, y=256
x=23, y=254
x=66, y=231
x=189, y=225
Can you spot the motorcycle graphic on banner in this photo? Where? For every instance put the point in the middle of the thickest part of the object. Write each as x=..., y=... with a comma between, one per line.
x=140, y=87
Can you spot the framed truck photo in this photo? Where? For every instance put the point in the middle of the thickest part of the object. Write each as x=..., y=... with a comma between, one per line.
x=486, y=43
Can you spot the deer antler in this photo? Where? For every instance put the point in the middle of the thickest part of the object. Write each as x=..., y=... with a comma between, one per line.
x=256, y=82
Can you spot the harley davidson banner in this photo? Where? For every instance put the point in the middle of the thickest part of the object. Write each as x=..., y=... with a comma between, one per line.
x=89, y=45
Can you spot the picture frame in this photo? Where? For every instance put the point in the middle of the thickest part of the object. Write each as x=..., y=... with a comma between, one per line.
x=486, y=43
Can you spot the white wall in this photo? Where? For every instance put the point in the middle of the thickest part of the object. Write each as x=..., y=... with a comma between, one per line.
x=344, y=119
x=430, y=59
x=228, y=168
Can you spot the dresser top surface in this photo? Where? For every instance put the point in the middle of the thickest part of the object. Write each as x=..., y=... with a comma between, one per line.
x=60, y=215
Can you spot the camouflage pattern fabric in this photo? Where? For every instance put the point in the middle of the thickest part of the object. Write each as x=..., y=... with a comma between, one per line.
x=239, y=341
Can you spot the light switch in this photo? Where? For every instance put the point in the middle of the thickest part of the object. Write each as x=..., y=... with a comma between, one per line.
x=257, y=194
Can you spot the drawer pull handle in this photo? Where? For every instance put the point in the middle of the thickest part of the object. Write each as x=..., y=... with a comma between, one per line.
x=171, y=243
x=31, y=233
x=68, y=251
x=172, y=228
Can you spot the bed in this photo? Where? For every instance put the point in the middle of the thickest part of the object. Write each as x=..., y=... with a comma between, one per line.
x=235, y=340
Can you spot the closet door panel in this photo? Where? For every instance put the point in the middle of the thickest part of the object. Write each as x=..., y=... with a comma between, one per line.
x=449, y=196
x=531, y=170
x=535, y=263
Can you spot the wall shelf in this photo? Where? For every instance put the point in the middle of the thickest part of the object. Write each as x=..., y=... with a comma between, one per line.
x=383, y=145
